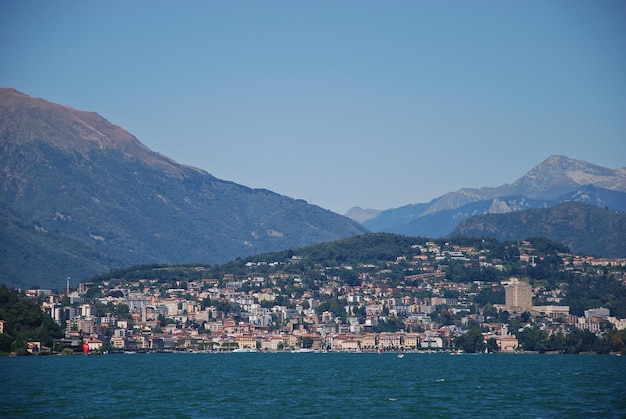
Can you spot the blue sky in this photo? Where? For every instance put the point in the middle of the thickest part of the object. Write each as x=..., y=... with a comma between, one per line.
x=375, y=104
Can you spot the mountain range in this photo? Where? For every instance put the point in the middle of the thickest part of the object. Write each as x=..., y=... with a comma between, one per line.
x=557, y=179
x=79, y=196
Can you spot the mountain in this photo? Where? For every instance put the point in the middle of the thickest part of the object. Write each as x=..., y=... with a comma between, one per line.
x=360, y=215
x=432, y=224
x=30, y=255
x=559, y=175
x=557, y=179
x=582, y=227
x=71, y=175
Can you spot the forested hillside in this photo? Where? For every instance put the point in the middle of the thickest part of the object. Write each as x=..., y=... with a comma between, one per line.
x=403, y=262
x=584, y=228
x=24, y=322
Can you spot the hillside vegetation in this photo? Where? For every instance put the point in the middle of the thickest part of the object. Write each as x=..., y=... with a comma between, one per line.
x=584, y=228
x=24, y=322
x=389, y=260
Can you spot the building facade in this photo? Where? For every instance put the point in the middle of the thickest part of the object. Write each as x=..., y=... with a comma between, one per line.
x=518, y=296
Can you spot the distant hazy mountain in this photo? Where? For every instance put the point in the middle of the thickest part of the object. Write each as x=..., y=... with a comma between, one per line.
x=360, y=215
x=434, y=223
x=68, y=174
x=557, y=179
x=582, y=227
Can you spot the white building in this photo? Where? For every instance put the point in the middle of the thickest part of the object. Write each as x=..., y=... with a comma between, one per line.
x=597, y=312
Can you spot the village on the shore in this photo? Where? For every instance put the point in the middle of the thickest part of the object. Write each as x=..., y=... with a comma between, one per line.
x=273, y=308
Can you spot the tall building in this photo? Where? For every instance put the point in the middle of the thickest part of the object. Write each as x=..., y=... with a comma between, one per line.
x=518, y=295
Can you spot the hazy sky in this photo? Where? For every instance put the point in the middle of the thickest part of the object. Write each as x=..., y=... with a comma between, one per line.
x=375, y=104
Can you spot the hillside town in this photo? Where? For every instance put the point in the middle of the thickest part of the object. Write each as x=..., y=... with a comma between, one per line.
x=272, y=307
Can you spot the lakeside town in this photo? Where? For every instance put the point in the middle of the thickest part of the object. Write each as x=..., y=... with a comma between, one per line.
x=277, y=305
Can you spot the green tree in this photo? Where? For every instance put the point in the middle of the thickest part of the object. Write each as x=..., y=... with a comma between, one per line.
x=490, y=296
x=578, y=341
x=532, y=339
x=618, y=341
x=392, y=324
x=5, y=343
x=524, y=317
x=333, y=305
x=446, y=318
x=359, y=311
x=305, y=342
x=556, y=342
x=471, y=341
x=25, y=322
x=122, y=311
x=492, y=345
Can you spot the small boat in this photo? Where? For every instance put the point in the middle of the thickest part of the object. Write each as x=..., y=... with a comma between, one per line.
x=303, y=351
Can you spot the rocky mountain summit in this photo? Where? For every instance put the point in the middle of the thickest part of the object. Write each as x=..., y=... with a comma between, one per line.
x=557, y=179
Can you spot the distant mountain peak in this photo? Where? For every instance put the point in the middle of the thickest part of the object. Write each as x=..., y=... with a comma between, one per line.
x=557, y=175
x=25, y=119
x=556, y=179
x=360, y=215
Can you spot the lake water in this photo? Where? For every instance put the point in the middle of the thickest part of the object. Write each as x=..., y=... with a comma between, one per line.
x=241, y=385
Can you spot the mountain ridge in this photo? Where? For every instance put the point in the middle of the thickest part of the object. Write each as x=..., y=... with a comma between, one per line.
x=73, y=174
x=88, y=130
x=546, y=184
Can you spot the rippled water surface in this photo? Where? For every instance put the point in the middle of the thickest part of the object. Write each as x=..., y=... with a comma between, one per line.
x=313, y=385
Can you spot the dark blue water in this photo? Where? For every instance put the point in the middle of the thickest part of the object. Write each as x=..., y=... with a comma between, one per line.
x=314, y=385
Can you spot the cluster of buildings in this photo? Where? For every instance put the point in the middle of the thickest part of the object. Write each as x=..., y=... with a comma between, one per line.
x=283, y=309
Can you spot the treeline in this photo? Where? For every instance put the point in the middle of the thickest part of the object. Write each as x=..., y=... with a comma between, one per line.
x=373, y=249
x=574, y=342
x=24, y=322
x=536, y=340
x=596, y=291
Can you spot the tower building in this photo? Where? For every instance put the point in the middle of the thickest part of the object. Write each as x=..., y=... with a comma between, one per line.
x=518, y=296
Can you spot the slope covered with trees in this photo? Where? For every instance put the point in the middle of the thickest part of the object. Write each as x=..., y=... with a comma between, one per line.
x=390, y=259
x=24, y=322
x=584, y=228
